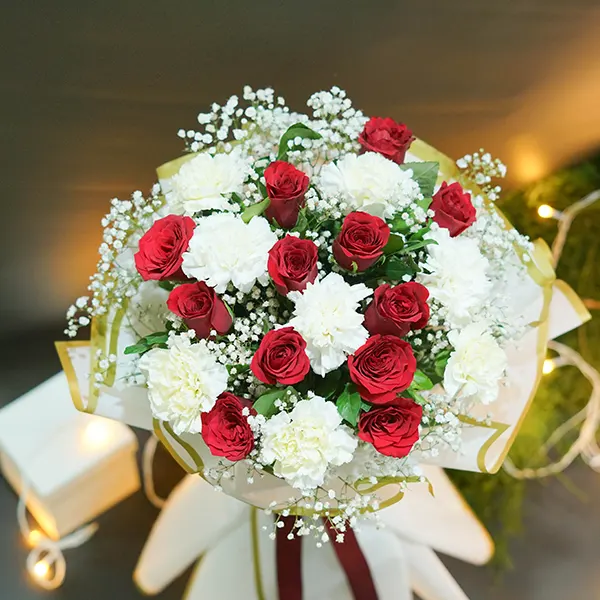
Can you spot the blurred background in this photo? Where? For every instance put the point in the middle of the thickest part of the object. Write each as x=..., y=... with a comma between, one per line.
x=91, y=98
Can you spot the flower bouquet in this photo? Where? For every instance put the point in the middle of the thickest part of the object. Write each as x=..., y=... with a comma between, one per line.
x=307, y=307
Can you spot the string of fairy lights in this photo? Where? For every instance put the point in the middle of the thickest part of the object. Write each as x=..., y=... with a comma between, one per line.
x=587, y=420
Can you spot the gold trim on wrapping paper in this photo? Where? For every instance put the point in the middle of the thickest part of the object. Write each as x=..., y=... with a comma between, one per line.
x=574, y=300
x=194, y=456
x=258, y=582
x=62, y=348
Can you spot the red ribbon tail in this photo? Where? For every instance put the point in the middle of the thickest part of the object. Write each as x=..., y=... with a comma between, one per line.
x=354, y=563
x=289, y=562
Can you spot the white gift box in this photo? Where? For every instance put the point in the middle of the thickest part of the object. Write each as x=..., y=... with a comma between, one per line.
x=72, y=466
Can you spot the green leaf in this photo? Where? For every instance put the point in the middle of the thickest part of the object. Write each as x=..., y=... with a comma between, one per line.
x=441, y=360
x=297, y=130
x=302, y=223
x=348, y=404
x=421, y=381
x=167, y=285
x=265, y=404
x=255, y=209
x=394, y=244
x=417, y=244
x=397, y=267
x=327, y=386
x=239, y=368
x=236, y=198
x=138, y=348
x=415, y=395
x=156, y=338
x=398, y=225
x=425, y=174
x=365, y=407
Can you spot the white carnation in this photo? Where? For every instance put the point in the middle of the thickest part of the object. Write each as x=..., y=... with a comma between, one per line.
x=303, y=443
x=370, y=183
x=476, y=366
x=183, y=381
x=224, y=249
x=202, y=181
x=326, y=316
x=456, y=276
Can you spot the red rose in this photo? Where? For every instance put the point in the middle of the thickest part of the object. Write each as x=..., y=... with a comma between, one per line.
x=286, y=187
x=281, y=357
x=162, y=246
x=393, y=429
x=225, y=429
x=292, y=264
x=453, y=208
x=382, y=367
x=361, y=241
x=200, y=308
x=396, y=310
x=386, y=137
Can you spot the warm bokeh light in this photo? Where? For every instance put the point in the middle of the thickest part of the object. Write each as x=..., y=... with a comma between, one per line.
x=41, y=569
x=34, y=537
x=545, y=211
x=97, y=434
x=548, y=366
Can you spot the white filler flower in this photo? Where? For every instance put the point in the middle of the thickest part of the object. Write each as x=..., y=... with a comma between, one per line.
x=476, y=366
x=303, y=443
x=456, y=276
x=370, y=183
x=224, y=249
x=202, y=181
x=326, y=316
x=183, y=381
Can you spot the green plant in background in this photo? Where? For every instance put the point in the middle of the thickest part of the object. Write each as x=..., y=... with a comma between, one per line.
x=498, y=499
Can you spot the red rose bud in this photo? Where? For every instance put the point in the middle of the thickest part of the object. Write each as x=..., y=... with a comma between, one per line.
x=392, y=429
x=381, y=368
x=162, y=246
x=386, y=137
x=453, y=208
x=286, y=187
x=396, y=310
x=292, y=264
x=281, y=357
x=225, y=429
x=200, y=308
x=361, y=240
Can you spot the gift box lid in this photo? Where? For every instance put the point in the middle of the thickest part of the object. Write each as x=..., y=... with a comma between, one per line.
x=51, y=443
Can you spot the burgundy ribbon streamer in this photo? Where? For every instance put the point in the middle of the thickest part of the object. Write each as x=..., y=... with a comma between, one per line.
x=349, y=554
x=289, y=562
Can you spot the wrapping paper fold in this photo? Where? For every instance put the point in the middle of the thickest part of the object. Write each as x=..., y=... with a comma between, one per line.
x=229, y=538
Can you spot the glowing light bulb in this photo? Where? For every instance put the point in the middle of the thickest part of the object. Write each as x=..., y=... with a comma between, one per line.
x=97, y=434
x=547, y=212
x=34, y=537
x=41, y=569
x=548, y=366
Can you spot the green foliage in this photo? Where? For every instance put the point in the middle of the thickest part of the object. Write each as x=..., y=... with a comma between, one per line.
x=294, y=131
x=425, y=174
x=497, y=499
x=265, y=404
x=348, y=404
x=153, y=340
x=255, y=209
